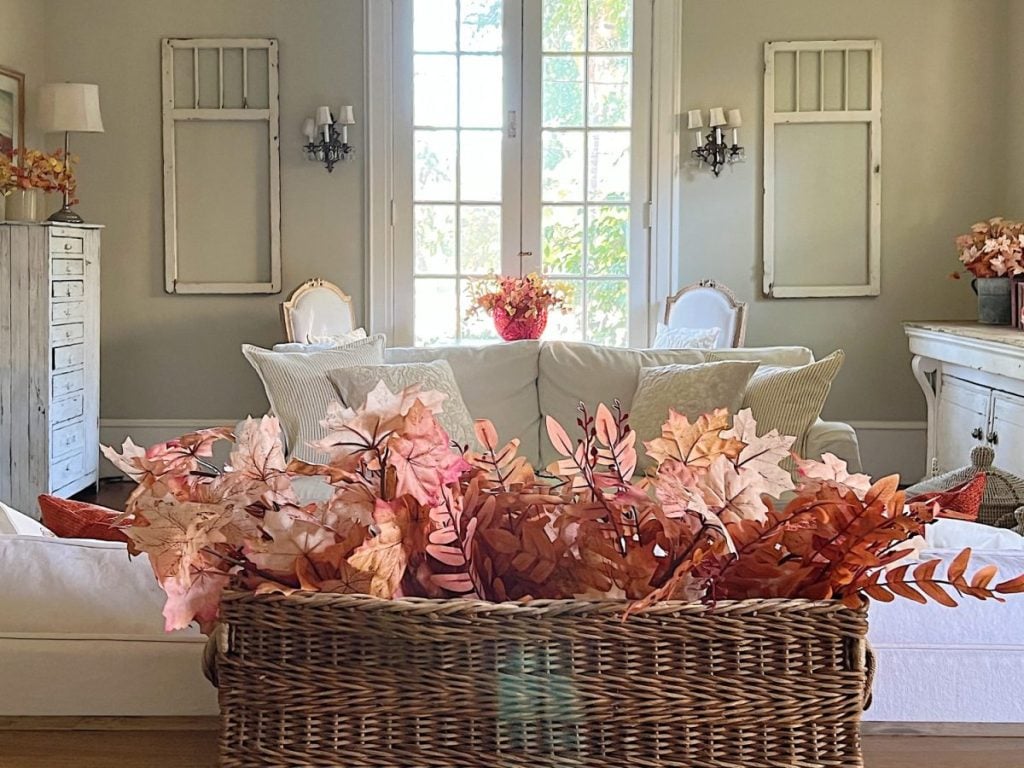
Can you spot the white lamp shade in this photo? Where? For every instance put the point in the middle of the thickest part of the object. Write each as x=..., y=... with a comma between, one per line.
x=323, y=116
x=717, y=117
x=309, y=128
x=70, y=107
x=346, y=116
x=694, y=119
x=735, y=119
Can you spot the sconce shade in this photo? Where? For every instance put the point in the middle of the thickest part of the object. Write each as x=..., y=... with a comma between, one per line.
x=717, y=117
x=735, y=119
x=70, y=107
x=694, y=119
x=345, y=115
x=323, y=116
x=309, y=128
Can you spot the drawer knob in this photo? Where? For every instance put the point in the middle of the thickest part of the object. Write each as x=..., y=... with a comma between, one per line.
x=993, y=438
x=977, y=434
x=67, y=246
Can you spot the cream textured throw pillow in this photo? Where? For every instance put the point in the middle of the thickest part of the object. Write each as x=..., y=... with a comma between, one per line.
x=299, y=391
x=691, y=390
x=355, y=383
x=685, y=338
x=790, y=399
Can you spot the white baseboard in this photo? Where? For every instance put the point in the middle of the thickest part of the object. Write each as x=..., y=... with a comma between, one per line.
x=147, y=432
x=893, y=447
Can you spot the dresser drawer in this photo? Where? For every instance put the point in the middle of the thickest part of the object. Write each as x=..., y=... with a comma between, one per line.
x=67, y=310
x=67, y=383
x=67, y=268
x=65, y=439
x=59, y=245
x=67, y=289
x=70, y=356
x=66, y=408
x=67, y=332
x=63, y=471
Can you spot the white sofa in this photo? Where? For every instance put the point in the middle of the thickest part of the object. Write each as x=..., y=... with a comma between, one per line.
x=516, y=384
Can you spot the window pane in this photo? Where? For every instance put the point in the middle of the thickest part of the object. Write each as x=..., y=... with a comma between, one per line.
x=435, y=311
x=608, y=312
x=434, y=165
x=480, y=164
x=433, y=25
x=608, y=165
x=608, y=240
x=562, y=91
x=562, y=166
x=563, y=25
x=480, y=239
x=608, y=96
x=481, y=91
x=479, y=327
x=434, y=97
x=563, y=240
x=481, y=25
x=568, y=326
x=611, y=25
x=434, y=238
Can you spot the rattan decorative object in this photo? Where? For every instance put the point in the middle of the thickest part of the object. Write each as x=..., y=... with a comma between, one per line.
x=355, y=681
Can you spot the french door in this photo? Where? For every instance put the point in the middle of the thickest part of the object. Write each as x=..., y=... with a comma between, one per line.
x=521, y=143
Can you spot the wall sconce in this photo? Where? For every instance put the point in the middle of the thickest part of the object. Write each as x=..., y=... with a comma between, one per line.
x=327, y=136
x=712, y=149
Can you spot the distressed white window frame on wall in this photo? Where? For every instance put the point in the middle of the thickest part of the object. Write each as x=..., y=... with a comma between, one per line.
x=872, y=117
x=173, y=114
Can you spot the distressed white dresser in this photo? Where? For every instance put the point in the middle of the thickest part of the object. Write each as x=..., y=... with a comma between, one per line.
x=973, y=381
x=49, y=360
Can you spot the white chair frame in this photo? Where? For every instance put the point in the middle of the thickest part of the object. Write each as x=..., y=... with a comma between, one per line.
x=302, y=295
x=740, y=307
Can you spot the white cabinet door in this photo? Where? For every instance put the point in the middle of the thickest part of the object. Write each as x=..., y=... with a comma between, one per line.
x=962, y=421
x=1008, y=431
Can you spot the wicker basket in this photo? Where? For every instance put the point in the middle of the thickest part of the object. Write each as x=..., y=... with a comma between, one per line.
x=332, y=680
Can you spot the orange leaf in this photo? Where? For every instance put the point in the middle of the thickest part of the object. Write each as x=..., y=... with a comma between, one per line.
x=984, y=576
x=936, y=593
x=959, y=565
x=1012, y=586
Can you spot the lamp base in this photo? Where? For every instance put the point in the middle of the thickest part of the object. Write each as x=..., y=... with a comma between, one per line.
x=66, y=216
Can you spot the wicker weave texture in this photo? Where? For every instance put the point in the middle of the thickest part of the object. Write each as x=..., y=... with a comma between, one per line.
x=332, y=680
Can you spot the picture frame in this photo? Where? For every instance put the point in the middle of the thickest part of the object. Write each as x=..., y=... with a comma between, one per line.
x=12, y=111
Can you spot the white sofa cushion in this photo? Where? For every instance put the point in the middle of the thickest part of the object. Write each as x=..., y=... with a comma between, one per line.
x=785, y=357
x=14, y=523
x=299, y=391
x=498, y=382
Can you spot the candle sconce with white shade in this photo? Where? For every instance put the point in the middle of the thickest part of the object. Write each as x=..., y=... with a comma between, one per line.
x=327, y=136
x=713, y=148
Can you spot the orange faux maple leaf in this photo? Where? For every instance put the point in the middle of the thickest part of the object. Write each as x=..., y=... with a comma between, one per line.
x=697, y=444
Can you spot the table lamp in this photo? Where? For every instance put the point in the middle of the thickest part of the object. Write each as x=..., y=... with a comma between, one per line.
x=67, y=108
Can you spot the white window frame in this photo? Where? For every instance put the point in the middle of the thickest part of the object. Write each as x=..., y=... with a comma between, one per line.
x=389, y=279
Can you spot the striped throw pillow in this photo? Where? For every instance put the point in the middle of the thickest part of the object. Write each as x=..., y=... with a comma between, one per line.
x=791, y=399
x=299, y=390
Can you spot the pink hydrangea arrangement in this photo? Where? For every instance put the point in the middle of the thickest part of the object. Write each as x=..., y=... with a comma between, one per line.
x=993, y=248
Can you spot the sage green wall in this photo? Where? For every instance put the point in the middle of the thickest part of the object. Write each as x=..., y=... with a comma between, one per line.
x=22, y=47
x=943, y=95
x=166, y=357
x=177, y=357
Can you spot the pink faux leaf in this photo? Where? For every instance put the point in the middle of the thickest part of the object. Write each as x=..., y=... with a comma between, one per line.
x=604, y=424
x=197, y=599
x=559, y=437
x=459, y=583
x=735, y=496
x=834, y=470
x=449, y=555
x=422, y=458
x=258, y=453
x=176, y=533
x=293, y=536
x=762, y=455
x=486, y=434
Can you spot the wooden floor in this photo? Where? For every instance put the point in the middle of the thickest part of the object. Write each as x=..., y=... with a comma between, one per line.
x=198, y=749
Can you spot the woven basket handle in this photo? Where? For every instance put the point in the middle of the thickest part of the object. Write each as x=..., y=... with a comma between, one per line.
x=870, y=667
x=216, y=642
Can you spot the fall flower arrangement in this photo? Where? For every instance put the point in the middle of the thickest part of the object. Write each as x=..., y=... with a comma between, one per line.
x=518, y=305
x=411, y=515
x=38, y=170
x=993, y=248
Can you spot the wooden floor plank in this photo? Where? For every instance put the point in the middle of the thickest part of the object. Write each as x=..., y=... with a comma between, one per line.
x=198, y=749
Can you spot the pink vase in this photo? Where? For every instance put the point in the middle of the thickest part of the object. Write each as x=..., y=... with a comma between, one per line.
x=512, y=328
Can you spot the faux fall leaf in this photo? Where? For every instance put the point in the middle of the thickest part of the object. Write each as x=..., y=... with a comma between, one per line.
x=833, y=470
x=697, y=444
x=383, y=557
x=761, y=456
x=733, y=494
x=423, y=461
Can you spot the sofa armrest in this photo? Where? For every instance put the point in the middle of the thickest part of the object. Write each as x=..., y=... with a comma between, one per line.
x=834, y=437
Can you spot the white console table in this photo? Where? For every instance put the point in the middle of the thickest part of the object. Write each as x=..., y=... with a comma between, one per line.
x=973, y=381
